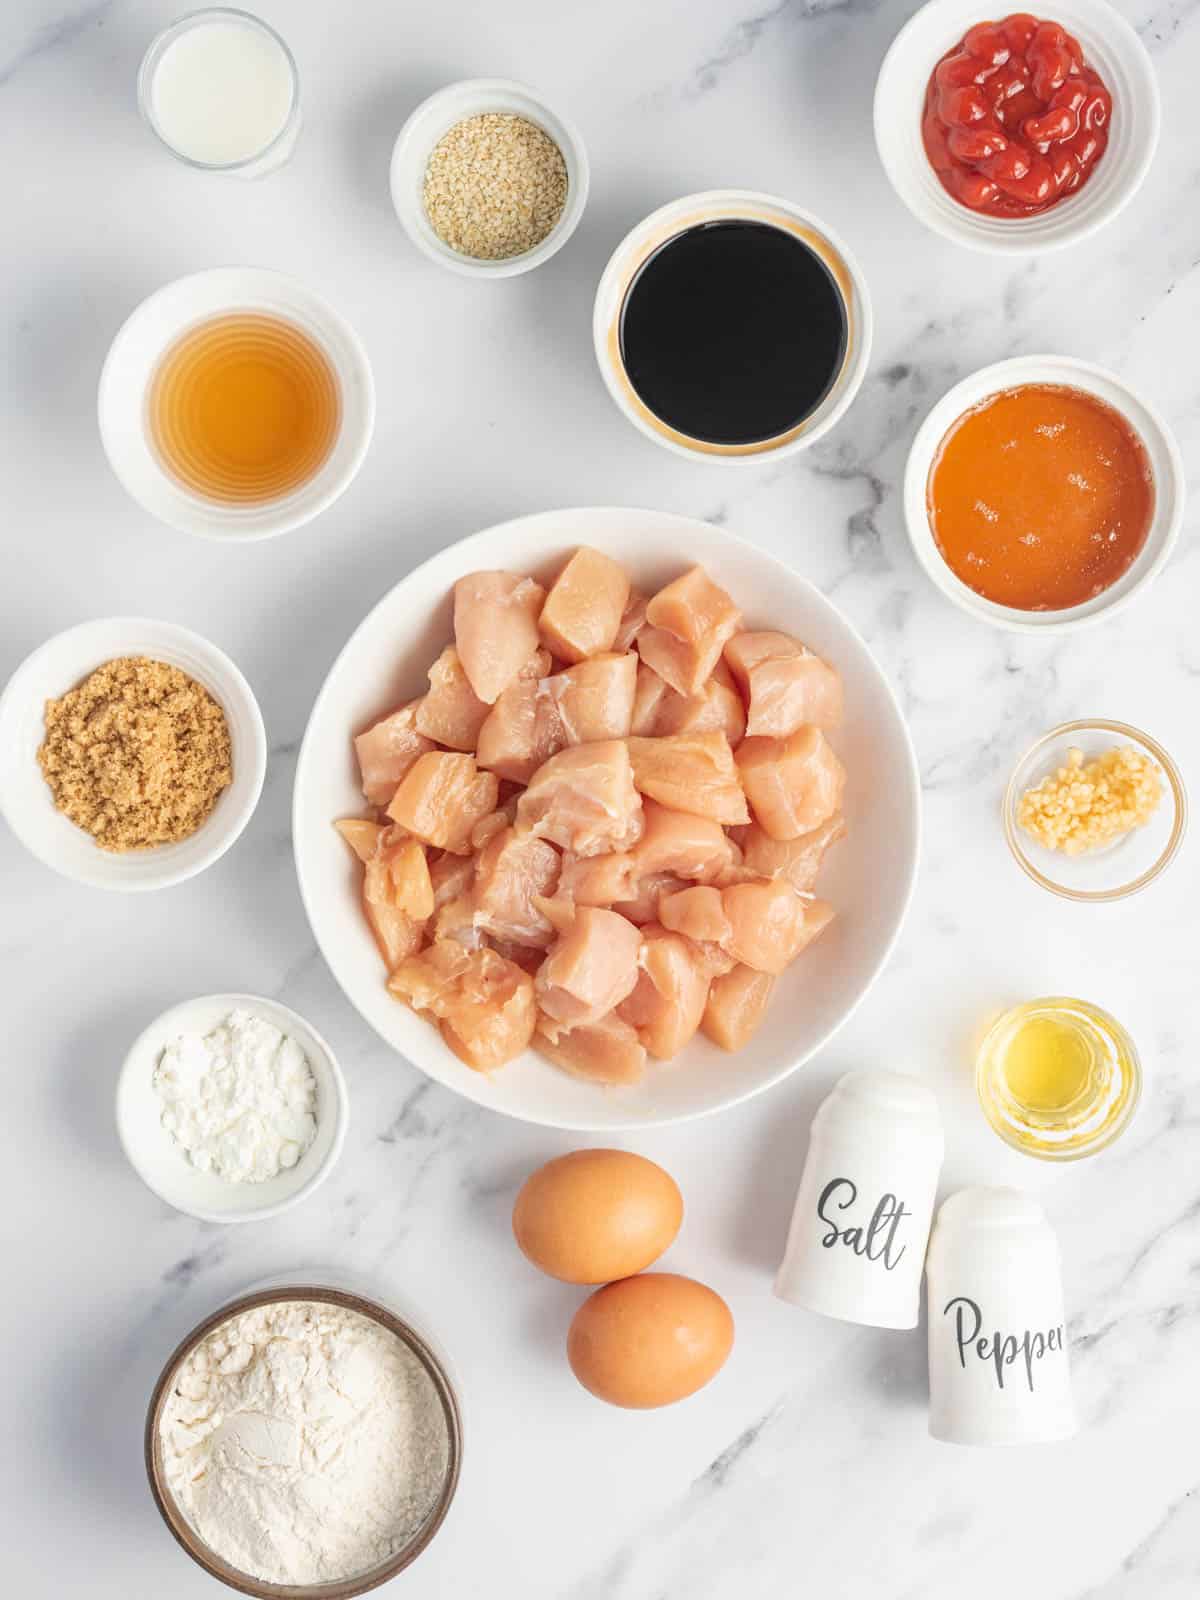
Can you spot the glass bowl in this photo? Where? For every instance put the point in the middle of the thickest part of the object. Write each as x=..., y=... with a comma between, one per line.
x=278, y=148
x=1098, y=1110
x=1130, y=862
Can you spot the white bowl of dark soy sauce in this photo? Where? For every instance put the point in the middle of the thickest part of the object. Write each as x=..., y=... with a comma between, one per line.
x=732, y=327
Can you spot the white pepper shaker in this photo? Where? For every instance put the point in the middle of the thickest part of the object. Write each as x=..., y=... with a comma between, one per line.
x=998, y=1368
x=861, y=1221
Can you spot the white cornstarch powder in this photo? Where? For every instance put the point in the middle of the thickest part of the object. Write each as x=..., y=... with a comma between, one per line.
x=241, y=1101
x=303, y=1442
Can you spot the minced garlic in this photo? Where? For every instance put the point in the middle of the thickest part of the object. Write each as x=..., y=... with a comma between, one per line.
x=1086, y=805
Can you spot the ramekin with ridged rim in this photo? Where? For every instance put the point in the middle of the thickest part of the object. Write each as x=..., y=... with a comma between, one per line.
x=134, y=357
x=731, y=205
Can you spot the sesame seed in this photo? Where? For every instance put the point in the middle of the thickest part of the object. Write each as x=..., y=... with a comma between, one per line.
x=495, y=186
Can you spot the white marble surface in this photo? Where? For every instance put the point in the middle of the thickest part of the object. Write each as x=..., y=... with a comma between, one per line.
x=806, y=1467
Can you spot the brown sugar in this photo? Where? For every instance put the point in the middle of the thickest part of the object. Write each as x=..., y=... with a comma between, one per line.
x=137, y=754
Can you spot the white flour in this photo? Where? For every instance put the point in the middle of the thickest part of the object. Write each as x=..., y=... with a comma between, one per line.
x=303, y=1442
x=241, y=1101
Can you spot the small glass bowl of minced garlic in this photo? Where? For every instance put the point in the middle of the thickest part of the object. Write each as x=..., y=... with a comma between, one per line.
x=1095, y=810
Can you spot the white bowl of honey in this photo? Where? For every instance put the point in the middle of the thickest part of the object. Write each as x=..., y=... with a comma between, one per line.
x=1043, y=493
x=236, y=404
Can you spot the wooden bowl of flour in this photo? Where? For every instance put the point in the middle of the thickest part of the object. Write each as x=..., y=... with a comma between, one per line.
x=436, y=1433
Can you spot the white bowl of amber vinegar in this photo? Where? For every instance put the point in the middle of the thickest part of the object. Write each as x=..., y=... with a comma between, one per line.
x=699, y=211
x=292, y=417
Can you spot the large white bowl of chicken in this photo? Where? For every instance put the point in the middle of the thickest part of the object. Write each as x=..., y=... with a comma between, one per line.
x=605, y=818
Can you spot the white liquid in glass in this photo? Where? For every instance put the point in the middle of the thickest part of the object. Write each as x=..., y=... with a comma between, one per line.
x=222, y=91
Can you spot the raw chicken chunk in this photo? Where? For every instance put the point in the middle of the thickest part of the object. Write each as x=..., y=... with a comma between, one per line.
x=442, y=799
x=412, y=888
x=598, y=880
x=483, y=1003
x=737, y=1003
x=584, y=800
x=591, y=967
x=585, y=606
x=361, y=835
x=785, y=684
x=387, y=750
x=454, y=922
x=667, y=1002
x=691, y=772
x=594, y=698
x=511, y=872
x=495, y=628
x=717, y=708
x=396, y=932
x=522, y=730
x=698, y=913
x=605, y=1051
x=793, y=784
x=770, y=924
x=451, y=876
x=633, y=620
x=798, y=860
x=643, y=906
x=558, y=911
x=396, y=903
x=679, y=843
x=687, y=625
x=451, y=713
x=648, y=698
x=495, y=822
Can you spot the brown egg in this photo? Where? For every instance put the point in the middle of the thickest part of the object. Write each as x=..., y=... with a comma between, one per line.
x=596, y=1215
x=649, y=1341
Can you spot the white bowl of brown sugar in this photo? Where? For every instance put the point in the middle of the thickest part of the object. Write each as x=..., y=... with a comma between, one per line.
x=488, y=179
x=134, y=753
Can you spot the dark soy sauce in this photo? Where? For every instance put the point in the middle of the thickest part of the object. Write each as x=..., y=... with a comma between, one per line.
x=733, y=332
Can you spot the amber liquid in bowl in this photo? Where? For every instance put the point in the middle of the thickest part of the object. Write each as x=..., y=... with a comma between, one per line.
x=1040, y=497
x=244, y=408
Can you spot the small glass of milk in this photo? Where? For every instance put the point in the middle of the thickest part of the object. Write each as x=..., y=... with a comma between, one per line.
x=220, y=89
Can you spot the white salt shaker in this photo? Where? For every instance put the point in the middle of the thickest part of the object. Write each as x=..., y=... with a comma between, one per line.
x=998, y=1369
x=861, y=1221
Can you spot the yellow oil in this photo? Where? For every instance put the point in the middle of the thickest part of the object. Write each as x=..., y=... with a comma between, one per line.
x=1058, y=1078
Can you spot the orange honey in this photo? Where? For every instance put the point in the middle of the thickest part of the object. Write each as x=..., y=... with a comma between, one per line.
x=1041, y=497
x=244, y=408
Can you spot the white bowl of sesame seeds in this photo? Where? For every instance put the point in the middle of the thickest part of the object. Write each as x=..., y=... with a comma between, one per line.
x=488, y=179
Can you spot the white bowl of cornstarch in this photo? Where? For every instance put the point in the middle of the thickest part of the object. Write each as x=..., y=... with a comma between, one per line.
x=231, y=1107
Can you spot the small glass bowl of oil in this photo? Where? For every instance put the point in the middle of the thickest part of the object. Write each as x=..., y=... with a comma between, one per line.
x=1058, y=1078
